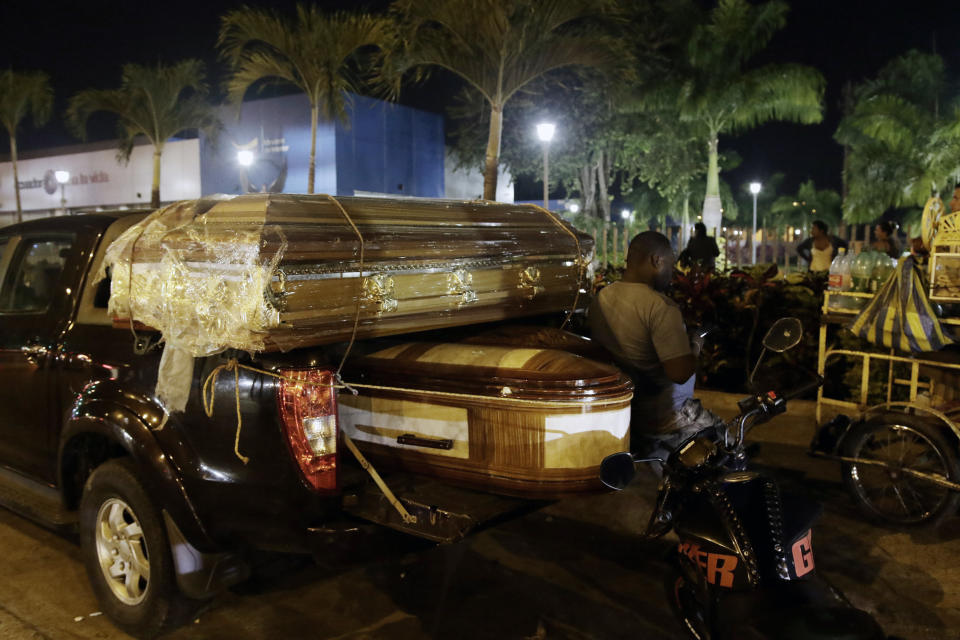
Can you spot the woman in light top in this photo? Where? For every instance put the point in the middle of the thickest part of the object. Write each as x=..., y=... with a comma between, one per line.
x=820, y=248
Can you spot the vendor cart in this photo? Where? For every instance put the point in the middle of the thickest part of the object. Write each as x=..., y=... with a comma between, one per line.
x=898, y=437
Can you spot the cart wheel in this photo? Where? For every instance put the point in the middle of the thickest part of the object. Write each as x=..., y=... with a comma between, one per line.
x=887, y=493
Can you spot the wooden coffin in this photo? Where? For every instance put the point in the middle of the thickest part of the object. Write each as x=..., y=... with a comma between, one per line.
x=273, y=271
x=527, y=422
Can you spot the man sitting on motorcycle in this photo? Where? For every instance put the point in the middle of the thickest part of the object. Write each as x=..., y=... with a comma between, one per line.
x=644, y=331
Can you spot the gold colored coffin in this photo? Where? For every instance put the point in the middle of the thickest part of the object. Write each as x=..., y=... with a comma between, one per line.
x=276, y=271
x=527, y=422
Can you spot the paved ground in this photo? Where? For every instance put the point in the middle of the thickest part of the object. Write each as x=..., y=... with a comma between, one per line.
x=572, y=571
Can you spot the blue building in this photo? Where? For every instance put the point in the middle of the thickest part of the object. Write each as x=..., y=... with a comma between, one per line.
x=384, y=148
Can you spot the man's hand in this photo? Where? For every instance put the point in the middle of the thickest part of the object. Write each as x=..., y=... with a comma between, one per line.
x=696, y=345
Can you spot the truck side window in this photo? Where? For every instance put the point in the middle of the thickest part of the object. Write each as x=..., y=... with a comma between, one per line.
x=33, y=277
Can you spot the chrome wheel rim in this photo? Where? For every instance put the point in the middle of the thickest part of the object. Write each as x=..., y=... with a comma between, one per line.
x=122, y=551
x=886, y=490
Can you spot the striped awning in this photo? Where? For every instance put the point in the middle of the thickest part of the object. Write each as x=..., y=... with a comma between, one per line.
x=900, y=315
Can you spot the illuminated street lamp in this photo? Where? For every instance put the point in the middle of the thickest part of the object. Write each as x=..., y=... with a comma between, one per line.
x=545, y=133
x=754, y=189
x=245, y=157
x=63, y=177
x=625, y=214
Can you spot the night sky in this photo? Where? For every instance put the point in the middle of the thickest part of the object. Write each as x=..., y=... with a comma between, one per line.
x=83, y=45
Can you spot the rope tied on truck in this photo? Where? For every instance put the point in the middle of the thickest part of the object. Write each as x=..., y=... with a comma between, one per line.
x=209, y=391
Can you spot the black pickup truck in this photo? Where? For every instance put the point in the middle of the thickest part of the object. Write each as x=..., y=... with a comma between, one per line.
x=164, y=508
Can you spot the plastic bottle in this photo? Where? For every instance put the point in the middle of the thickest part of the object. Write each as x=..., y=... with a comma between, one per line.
x=882, y=268
x=861, y=271
x=839, y=279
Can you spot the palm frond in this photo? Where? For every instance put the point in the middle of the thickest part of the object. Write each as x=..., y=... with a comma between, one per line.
x=23, y=93
x=315, y=51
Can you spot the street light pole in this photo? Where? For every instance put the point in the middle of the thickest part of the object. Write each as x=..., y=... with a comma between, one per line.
x=63, y=177
x=754, y=189
x=545, y=133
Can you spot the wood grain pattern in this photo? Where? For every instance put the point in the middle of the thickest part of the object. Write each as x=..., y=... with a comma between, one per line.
x=309, y=253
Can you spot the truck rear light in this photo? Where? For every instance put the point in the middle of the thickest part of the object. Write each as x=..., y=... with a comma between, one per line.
x=307, y=403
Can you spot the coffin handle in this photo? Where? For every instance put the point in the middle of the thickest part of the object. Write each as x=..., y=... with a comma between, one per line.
x=419, y=441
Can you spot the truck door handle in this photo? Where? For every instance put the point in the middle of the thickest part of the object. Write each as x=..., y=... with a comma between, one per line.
x=418, y=441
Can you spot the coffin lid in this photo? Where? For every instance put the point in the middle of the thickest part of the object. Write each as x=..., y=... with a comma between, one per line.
x=498, y=371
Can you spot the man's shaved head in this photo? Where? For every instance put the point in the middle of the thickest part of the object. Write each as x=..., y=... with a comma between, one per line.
x=648, y=243
x=650, y=260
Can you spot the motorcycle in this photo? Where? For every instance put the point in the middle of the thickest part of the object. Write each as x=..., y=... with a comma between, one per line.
x=744, y=566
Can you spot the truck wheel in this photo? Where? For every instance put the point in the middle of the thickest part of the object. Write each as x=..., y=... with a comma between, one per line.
x=126, y=552
x=884, y=492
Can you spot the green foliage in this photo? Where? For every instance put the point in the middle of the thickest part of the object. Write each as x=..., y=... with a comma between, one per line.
x=808, y=204
x=21, y=94
x=498, y=48
x=903, y=142
x=713, y=88
x=157, y=102
x=321, y=54
x=316, y=52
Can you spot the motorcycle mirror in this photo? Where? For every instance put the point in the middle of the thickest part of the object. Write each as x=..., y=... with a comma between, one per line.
x=783, y=335
x=617, y=470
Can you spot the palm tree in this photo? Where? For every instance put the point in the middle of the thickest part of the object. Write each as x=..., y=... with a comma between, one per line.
x=316, y=52
x=717, y=91
x=903, y=145
x=157, y=102
x=21, y=93
x=807, y=205
x=497, y=47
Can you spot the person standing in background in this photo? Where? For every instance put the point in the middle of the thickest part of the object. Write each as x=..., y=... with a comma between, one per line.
x=701, y=250
x=820, y=248
x=886, y=241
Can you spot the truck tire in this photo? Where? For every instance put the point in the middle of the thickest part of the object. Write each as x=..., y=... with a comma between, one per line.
x=126, y=553
x=886, y=493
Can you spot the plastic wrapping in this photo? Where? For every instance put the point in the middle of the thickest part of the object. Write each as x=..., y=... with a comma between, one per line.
x=265, y=272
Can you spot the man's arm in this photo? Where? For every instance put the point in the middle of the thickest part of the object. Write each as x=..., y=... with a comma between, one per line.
x=680, y=369
x=803, y=249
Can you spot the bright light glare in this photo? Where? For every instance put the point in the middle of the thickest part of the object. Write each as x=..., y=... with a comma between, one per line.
x=574, y=208
x=245, y=158
x=796, y=232
x=754, y=188
x=545, y=131
x=625, y=214
x=63, y=177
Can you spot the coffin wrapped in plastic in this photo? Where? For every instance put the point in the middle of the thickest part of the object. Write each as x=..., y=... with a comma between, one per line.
x=529, y=422
x=266, y=272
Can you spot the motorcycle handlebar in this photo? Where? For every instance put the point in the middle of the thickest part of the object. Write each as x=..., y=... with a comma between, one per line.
x=803, y=389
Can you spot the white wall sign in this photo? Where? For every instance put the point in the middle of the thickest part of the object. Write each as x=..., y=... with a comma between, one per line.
x=97, y=178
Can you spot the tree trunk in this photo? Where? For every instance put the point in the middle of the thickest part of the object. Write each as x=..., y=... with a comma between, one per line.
x=602, y=197
x=711, y=215
x=314, y=114
x=588, y=191
x=685, y=229
x=155, y=187
x=16, y=176
x=492, y=159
